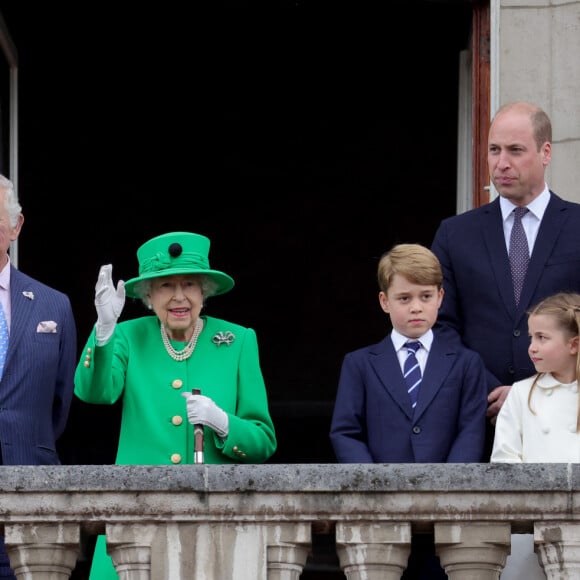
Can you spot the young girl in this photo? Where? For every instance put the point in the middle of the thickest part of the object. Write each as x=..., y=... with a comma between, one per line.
x=540, y=419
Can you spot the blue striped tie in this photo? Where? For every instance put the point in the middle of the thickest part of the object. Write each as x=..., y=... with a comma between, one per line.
x=412, y=371
x=3, y=339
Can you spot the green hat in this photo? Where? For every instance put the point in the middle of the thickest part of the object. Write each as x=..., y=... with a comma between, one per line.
x=176, y=253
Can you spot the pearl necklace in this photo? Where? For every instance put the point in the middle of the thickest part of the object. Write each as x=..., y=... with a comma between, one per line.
x=186, y=352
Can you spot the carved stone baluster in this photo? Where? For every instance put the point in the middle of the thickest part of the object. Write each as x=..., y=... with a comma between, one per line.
x=558, y=545
x=473, y=550
x=288, y=547
x=129, y=546
x=42, y=550
x=373, y=551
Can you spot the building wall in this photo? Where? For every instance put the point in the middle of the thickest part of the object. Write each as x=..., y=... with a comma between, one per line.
x=539, y=60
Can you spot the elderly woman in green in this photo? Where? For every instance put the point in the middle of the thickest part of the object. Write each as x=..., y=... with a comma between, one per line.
x=154, y=363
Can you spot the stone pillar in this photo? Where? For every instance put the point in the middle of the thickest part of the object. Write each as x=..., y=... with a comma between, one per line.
x=129, y=546
x=473, y=550
x=288, y=546
x=42, y=551
x=558, y=545
x=538, y=48
x=373, y=551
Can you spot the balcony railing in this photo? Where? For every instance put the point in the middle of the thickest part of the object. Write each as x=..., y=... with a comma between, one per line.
x=256, y=522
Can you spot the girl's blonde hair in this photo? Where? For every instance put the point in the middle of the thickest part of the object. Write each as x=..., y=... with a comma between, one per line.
x=564, y=309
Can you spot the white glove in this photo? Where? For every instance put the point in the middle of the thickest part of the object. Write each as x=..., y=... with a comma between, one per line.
x=202, y=409
x=109, y=304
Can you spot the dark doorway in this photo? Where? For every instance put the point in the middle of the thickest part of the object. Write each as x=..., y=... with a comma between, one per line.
x=303, y=138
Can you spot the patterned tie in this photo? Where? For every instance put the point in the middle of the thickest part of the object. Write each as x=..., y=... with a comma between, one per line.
x=412, y=371
x=519, y=252
x=3, y=339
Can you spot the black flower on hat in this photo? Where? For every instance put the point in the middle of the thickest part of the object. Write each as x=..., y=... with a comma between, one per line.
x=175, y=250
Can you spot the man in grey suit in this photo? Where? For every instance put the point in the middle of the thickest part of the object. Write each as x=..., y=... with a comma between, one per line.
x=36, y=384
x=479, y=304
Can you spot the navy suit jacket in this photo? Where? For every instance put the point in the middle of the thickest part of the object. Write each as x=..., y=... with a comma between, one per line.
x=36, y=388
x=373, y=421
x=479, y=303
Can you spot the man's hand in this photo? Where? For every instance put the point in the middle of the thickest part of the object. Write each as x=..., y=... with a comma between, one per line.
x=109, y=303
x=495, y=400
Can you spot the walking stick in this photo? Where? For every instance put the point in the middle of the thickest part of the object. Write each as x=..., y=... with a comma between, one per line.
x=197, y=436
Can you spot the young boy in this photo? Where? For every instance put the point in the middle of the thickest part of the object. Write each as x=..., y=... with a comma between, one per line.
x=376, y=419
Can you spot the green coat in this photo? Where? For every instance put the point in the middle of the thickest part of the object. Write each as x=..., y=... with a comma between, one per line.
x=154, y=427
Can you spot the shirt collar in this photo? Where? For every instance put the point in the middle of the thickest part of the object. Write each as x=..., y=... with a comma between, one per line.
x=5, y=276
x=548, y=381
x=399, y=340
x=537, y=206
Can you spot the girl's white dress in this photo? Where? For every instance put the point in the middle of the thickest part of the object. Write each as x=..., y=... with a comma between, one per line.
x=548, y=436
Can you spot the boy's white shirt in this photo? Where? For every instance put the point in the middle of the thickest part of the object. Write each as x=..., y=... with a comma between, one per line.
x=422, y=354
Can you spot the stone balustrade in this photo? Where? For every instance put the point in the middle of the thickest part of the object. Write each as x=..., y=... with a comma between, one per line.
x=256, y=522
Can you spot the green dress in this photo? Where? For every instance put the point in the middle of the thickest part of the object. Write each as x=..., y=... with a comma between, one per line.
x=154, y=428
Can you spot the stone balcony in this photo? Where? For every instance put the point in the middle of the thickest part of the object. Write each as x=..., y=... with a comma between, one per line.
x=258, y=522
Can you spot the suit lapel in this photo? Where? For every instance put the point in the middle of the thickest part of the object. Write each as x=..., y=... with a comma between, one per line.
x=498, y=256
x=21, y=309
x=552, y=223
x=439, y=363
x=386, y=364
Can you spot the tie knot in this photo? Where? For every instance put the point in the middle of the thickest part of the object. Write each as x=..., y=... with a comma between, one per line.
x=413, y=345
x=520, y=212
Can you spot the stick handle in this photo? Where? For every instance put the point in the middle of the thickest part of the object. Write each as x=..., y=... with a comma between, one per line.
x=197, y=436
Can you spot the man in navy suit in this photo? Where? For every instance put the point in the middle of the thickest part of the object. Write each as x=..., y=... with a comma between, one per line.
x=374, y=418
x=36, y=385
x=479, y=304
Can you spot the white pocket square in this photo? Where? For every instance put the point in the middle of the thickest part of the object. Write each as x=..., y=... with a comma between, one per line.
x=46, y=326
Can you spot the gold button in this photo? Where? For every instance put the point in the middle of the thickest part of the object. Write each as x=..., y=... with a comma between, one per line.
x=235, y=449
x=177, y=420
x=177, y=384
x=87, y=364
x=176, y=458
x=89, y=350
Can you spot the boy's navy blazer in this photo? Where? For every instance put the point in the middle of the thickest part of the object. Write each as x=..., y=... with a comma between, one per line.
x=373, y=421
x=36, y=389
x=479, y=302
